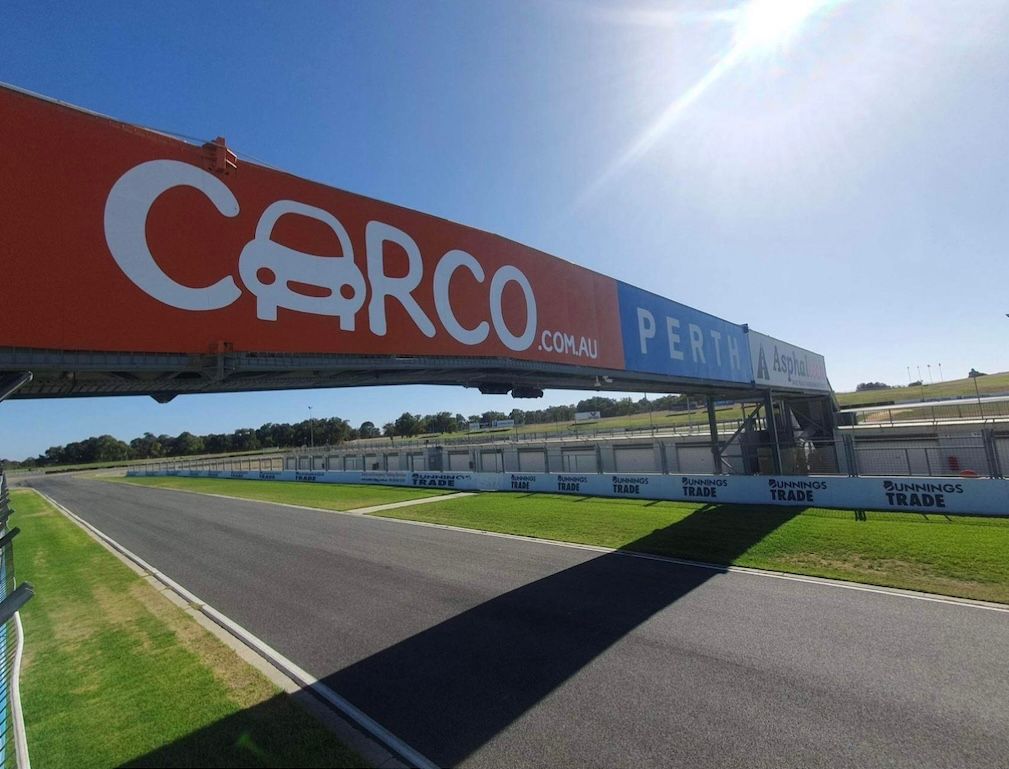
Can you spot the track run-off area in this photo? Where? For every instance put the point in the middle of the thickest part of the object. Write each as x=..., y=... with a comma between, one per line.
x=491, y=651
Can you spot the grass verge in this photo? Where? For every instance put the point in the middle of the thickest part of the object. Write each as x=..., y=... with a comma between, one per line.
x=962, y=556
x=328, y=496
x=116, y=675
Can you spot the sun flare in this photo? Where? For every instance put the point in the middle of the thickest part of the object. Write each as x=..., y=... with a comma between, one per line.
x=766, y=26
x=761, y=29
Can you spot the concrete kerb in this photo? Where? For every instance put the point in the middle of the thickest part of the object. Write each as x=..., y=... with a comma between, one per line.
x=358, y=731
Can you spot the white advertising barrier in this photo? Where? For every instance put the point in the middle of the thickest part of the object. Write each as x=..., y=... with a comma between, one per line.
x=975, y=496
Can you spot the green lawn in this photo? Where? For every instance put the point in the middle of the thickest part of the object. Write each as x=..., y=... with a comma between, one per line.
x=960, y=556
x=991, y=384
x=116, y=675
x=328, y=496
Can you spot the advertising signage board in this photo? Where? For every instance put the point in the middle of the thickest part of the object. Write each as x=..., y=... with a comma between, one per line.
x=665, y=337
x=781, y=365
x=198, y=254
x=206, y=254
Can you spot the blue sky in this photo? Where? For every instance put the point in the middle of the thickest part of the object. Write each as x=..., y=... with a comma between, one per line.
x=846, y=189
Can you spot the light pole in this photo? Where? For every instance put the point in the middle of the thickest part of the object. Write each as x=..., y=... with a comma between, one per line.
x=909, y=375
x=929, y=367
x=311, y=428
x=977, y=391
x=940, y=373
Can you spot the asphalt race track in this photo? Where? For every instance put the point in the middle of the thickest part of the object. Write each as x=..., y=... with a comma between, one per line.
x=490, y=652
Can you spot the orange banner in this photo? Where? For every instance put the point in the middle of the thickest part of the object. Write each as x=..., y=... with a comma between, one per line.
x=116, y=238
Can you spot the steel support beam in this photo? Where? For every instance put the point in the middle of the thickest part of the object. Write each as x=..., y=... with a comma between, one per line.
x=772, y=430
x=716, y=451
x=11, y=383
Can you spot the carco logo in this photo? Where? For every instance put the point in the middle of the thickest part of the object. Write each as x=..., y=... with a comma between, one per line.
x=267, y=476
x=571, y=482
x=623, y=484
x=794, y=491
x=338, y=287
x=925, y=494
x=307, y=476
x=237, y=474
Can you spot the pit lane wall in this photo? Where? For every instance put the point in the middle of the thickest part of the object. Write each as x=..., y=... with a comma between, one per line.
x=974, y=496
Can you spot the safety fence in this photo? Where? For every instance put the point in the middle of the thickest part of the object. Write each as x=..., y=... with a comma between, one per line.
x=698, y=425
x=13, y=745
x=265, y=464
x=981, y=454
x=990, y=410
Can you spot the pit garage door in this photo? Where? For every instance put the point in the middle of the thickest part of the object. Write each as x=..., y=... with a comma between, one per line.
x=533, y=461
x=459, y=460
x=491, y=462
x=580, y=461
x=635, y=459
x=694, y=459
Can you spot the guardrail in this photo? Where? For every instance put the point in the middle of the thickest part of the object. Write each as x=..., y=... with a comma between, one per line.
x=509, y=435
x=963, y=410
x=13, y=744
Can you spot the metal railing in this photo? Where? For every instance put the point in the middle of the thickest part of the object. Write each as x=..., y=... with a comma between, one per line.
x=223, y=464
x=13, y=745
x=508, y=436
x=984, y=454
x=965, y=410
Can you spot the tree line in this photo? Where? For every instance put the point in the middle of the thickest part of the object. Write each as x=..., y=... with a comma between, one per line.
x=330, y=431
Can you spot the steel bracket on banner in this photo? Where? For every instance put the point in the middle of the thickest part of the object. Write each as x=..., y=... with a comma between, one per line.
x=220, y=159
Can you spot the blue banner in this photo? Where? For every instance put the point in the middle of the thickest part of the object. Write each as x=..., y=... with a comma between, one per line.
x=665, y=337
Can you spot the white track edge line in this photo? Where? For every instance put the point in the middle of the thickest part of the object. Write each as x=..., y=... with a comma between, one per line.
x=356, y=511
x=302, y=677
x=750, y=570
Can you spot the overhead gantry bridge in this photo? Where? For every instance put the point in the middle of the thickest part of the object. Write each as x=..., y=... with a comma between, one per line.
x=142, y=264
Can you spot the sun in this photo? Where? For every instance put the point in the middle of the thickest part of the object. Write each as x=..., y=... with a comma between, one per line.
x=766, y=26
x=761, y=29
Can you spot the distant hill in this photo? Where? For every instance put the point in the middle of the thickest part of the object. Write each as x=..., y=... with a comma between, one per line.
x=989, y=384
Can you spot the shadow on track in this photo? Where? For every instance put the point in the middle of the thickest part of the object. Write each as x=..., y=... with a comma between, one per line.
x=450, y=689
